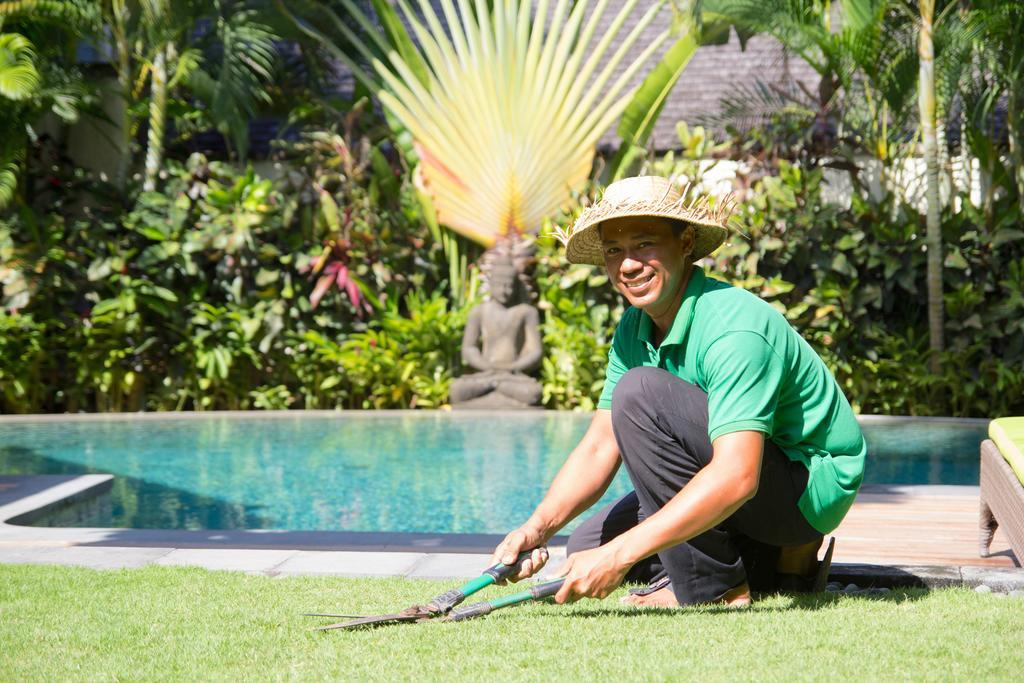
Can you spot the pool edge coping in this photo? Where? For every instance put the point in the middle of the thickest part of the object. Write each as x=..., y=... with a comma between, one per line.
x=65, y=490
x=16, y=517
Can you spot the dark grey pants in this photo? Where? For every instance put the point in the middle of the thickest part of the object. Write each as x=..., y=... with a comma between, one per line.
x=661, y=426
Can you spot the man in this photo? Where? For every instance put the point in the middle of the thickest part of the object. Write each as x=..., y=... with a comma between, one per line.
x=733, y=432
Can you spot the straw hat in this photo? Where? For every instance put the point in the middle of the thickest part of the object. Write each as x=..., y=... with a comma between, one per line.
x=646, y=196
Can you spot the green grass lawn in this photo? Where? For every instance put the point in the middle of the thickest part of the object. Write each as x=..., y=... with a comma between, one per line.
x=185, y=624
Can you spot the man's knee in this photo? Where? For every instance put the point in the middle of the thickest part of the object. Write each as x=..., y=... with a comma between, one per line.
x=586, y=536
x=631, y=389
x=607, y=523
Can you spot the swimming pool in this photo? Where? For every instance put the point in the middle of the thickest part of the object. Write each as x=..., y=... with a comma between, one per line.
x=403, y=472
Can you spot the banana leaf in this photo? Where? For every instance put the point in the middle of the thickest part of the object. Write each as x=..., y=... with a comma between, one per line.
x=643, y=110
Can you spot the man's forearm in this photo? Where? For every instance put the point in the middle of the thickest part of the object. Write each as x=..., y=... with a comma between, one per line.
x=579, y=484
x=710, y=498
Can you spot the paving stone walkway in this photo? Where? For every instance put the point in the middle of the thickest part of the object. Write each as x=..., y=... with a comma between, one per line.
x=278, y=563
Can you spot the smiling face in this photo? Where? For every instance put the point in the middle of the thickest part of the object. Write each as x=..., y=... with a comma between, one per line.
x=648, y=263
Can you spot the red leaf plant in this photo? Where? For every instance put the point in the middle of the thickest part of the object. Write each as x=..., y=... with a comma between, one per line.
x=336, y=272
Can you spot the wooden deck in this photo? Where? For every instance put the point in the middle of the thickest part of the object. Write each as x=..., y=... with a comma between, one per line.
x=917, y=526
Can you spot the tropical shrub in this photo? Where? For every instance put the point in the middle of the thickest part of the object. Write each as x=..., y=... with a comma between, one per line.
x=580, y=311
x=852, y=281
x=406, y=360
x=201, y=295
x=22, y=347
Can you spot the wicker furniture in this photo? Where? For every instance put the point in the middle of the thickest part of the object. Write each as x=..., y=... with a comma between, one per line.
x=1002, y=501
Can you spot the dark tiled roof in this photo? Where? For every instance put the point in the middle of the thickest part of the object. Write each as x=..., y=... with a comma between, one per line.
x=713, y=72
x=716, y=71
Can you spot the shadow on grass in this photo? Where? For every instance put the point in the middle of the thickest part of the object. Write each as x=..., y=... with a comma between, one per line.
x=803, y=601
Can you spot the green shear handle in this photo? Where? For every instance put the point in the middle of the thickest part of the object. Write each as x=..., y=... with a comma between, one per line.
x=479, y=609
x=444, y=602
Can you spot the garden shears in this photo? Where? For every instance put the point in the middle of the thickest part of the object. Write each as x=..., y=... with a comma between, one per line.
x=444, y=604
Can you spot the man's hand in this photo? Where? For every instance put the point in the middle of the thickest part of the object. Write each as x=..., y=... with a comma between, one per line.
x=591, y=574
x=523, y=538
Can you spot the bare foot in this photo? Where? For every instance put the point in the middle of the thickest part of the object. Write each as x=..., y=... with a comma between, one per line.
x=737, y=598
x=663, y=597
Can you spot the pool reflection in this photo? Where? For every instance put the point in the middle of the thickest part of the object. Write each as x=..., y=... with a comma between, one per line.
x=428, y=472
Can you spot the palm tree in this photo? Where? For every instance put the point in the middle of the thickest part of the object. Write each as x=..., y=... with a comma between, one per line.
x=235, y=64
x=999, y=25
x=164, y=33
x=865, y=58
x=506, y=107
x=926, y=104
x=879, y=55
x=157, y=39
x=36, y=74
x=19, y=81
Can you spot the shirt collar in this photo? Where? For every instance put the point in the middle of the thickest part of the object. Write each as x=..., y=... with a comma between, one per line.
x=684, y=316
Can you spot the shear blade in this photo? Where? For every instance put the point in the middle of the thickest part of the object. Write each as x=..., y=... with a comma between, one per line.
x=372, y=621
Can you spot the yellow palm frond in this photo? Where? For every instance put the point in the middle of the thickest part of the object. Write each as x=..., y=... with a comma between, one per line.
x=515, y=100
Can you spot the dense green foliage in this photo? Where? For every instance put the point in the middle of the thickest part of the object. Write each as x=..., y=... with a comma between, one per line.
x=188, y=624
x=202, y=296
x=39, y=76
x=852, y=281
x=325, y=283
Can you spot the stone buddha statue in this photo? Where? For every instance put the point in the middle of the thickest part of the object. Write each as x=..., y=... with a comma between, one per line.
x=502, y=338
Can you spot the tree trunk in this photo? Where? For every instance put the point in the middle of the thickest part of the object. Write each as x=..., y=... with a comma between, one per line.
x=966, y=165
x=124, y=80
x=124, y=161
x=926, y=104
x=157, y=109
x=1013, y=131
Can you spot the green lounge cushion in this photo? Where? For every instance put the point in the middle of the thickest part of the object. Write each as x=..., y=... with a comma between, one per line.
x=1008, y=435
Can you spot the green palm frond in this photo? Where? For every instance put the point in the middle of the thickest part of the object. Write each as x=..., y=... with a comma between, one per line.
x=749, y=106
x=8, y=182
x=513, y=103
x=801, y=25
x=10, y=166
x=1001, y=54
x=79, y=14
x=235, y=87
x=868, y=53
x=1002, y=24
x=47, y=9
x=19, y=78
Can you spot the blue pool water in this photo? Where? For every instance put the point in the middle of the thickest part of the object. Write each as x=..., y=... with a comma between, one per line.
x=425, y=472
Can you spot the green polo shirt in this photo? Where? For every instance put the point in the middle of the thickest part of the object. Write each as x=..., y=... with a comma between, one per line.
x=759, y=375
